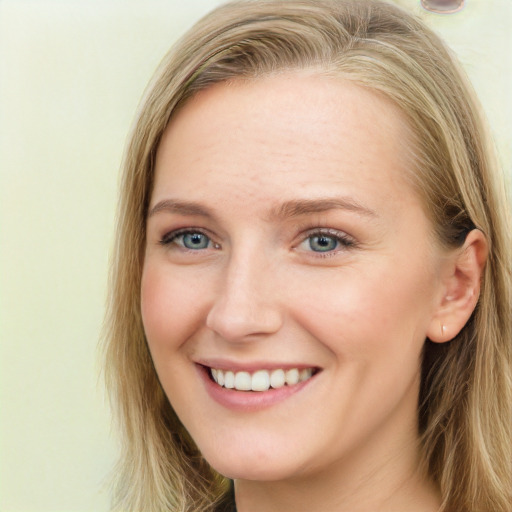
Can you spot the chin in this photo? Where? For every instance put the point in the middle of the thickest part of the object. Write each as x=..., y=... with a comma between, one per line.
x=243, y=471
x=255, y=466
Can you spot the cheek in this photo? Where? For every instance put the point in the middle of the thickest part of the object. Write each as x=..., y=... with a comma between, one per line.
x=367, y=312
x=171, y=306
x=156, y=303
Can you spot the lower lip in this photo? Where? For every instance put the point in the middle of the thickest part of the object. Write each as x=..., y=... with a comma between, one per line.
x=248, y=400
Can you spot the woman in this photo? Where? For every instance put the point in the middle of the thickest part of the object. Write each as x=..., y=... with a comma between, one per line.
x=311, y=283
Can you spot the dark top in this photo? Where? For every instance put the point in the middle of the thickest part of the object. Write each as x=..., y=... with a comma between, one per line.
x=228, y=502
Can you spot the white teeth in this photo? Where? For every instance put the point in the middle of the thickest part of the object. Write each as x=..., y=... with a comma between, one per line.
x=261, y=380
x=277, y=379
x=229, y=380
x=292, y=376
x=305, y=374
x=243, y=381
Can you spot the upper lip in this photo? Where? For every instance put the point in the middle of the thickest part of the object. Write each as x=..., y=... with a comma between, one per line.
x=239, y=366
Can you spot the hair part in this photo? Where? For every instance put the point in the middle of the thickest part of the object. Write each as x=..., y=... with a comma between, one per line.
x=466, y=393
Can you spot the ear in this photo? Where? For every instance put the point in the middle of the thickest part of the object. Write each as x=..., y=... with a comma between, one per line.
x=460, y=288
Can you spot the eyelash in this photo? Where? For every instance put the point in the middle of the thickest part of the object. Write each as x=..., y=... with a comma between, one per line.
x=171, y=237
x=344, y=242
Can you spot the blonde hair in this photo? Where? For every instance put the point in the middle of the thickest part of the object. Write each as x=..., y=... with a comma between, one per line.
x=466, y=395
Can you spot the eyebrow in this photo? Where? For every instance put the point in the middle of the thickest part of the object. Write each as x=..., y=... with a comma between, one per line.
x=289, y=209
x=180, y=207
x=298, y=207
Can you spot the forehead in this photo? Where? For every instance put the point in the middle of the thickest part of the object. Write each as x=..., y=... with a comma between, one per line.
x=280, y=134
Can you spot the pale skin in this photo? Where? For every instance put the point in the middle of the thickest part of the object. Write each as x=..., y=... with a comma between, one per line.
x=304, y=245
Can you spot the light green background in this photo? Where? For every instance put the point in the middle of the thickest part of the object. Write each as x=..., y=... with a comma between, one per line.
x=71, y=75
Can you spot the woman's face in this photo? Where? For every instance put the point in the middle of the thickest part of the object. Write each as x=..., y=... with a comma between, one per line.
x=284, y=243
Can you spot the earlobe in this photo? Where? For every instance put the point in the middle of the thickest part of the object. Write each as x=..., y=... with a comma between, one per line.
x=461, y=288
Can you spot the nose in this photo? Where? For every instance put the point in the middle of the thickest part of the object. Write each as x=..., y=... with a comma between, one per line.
x=247, y=303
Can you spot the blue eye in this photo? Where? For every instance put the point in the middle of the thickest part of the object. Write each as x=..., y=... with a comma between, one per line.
x=326, y=242
x=192, y=240
x=323, y=243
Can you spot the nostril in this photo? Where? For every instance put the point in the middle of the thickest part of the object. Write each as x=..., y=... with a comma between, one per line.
x=443, y=6
x=237, y=318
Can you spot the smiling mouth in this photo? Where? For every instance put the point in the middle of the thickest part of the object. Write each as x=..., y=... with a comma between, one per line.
x=260, y=380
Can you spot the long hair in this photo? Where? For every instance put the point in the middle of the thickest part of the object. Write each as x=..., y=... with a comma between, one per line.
x=465, y=411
